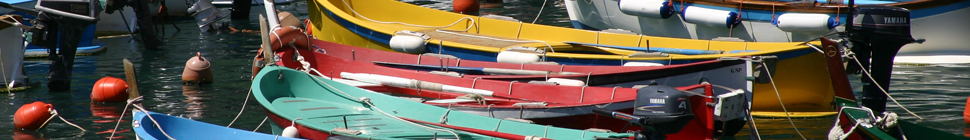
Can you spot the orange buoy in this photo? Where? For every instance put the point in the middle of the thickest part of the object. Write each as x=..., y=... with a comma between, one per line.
x=469, y=7
x=197, y=71
x=966, y=113
x=109, y=89
x=289, y=36
x=32, y=116
x=309, y=27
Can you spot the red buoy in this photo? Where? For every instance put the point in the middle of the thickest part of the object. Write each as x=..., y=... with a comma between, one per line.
x=469, y=7
x=32, y=116
x=966, y=113
x=288, y=36
x=197, y=71
x=110, y=89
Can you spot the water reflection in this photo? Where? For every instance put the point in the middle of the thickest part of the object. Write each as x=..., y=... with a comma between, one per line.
x=107, y=115
x=27, y=135
x=195, y=97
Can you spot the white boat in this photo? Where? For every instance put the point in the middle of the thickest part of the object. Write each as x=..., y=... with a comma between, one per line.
x=12, y=56
x=120, y=22
x=943, y=23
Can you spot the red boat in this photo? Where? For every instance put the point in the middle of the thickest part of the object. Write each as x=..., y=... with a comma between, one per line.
x=542, y=103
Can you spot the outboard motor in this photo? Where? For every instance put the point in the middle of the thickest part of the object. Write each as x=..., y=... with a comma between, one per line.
x=205, y=14
x=877, y=33
x=58, y=28
x=659, y=110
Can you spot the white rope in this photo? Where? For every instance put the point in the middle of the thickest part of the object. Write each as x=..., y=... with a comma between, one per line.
x=436, y=27
x=130, y=103
x=55, y=114
x=153, y=120
x=540, y=11
x=777, y=94
x=3, y=68
x=260, y=124
x=243, y=106
x=880, y=87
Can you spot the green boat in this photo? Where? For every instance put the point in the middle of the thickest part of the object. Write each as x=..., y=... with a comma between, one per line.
x=323, y=108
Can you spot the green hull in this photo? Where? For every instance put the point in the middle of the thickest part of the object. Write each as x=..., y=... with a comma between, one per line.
x=322, y=105
x=912, y=131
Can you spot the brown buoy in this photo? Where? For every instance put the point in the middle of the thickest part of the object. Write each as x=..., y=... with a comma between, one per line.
x=32, y=116
x=468, y=7
x=197, y=71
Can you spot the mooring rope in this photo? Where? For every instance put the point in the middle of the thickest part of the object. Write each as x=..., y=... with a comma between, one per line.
x=261, y=123
x=130, y=103
x=248, y=93
x=55, y=114
x=880, y=87
x=783, y=108
x=540, y=11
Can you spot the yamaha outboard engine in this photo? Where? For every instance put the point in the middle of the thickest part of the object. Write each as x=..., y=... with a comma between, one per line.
x=877, y=33
x=659, y=110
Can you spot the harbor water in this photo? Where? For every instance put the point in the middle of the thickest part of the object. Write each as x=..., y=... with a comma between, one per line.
x=938, y=93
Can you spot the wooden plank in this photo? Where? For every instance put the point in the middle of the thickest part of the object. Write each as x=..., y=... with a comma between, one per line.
x=131, y=79
x=264, y=32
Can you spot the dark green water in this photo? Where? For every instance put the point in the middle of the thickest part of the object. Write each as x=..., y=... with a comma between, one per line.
x=938, y=93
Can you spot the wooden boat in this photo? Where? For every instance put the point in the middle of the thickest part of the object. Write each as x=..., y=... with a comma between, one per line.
x=937, y=21
x=322, y=108
x=182, y=128
x=538, y=102
x=344, y=22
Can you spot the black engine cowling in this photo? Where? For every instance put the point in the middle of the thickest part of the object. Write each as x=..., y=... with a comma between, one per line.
x=877, y=33
x=881, y=23
x=663, y=107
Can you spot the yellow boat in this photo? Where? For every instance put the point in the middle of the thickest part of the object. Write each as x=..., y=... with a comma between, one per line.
x=800, y=75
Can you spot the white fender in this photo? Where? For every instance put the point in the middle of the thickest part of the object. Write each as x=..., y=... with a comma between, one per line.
x=408, y=42
x=642, y=64
x=567, y=82
x=291, y=132
x=710, y=17
x=803, y=22
x=646, y=8
x=516, y=57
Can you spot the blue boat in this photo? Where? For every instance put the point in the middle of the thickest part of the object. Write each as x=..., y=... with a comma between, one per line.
x=182, y=128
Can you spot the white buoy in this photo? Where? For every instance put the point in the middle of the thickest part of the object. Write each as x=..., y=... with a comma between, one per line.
x=408, y=42
x=802, y=22
x=642, y=64
x=516, y=57
x=710, y=17
x=647, y=8
x=290, y=131
x=567, y=82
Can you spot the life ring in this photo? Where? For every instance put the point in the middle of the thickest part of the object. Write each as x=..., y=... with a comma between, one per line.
x=288, y=36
